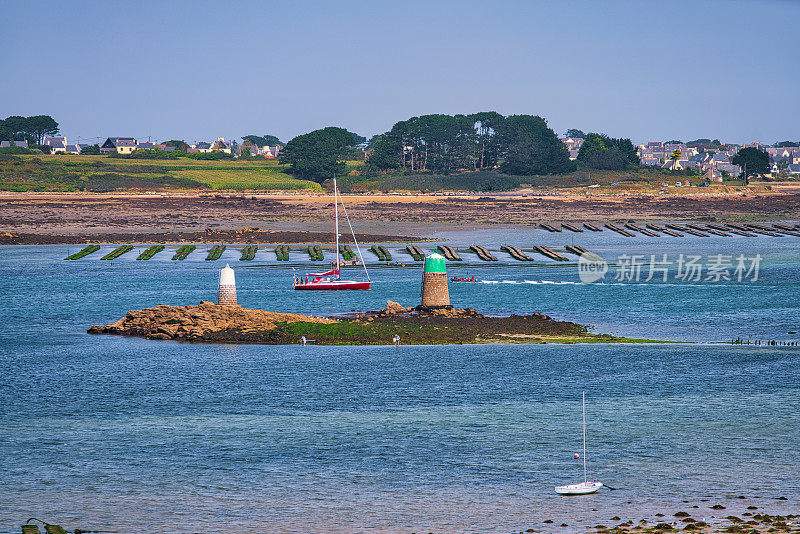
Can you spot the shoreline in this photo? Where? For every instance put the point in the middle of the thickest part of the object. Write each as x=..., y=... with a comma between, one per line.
x=70, y=218
x=213, y=323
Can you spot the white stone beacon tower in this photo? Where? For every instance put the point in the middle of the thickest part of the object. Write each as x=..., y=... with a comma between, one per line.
x=226, y=292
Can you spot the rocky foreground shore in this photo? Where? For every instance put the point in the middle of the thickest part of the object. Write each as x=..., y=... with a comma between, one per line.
x=204, y=322
x=212, y=323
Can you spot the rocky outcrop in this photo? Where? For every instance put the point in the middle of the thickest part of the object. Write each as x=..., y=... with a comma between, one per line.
x=205, y=322
x=394, y=309
x=212, y=323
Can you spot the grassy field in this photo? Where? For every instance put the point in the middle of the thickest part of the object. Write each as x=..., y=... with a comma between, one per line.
x=247, y=178
x=100, y=174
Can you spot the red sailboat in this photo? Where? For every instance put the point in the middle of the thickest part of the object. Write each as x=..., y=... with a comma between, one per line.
x=332, y=280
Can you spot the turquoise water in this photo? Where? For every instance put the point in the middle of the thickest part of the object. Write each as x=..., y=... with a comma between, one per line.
x=140, y=436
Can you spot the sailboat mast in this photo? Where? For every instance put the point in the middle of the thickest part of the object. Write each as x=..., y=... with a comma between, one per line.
x=336, y=226
x=583, y=403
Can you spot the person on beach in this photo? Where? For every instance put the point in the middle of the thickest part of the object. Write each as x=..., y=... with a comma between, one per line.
x=303, y=340
x=396, y=340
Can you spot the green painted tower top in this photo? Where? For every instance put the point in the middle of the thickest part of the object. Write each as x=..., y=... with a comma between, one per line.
x=434, y=263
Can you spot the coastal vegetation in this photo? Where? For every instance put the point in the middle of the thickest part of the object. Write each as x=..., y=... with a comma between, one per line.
x=381, y=252
x=249, y=253
x=601, y=152
x=753, y=161
x=68, y=172
x=319, y=155
x=315, y=252
x=443, y=144
x=347, y=252
x=85, y=252
x=31, y=129
x=215, y=252
x=282, y=253
x=183, y=251
x=262, y=140
x=150, y=252
x=117, y=252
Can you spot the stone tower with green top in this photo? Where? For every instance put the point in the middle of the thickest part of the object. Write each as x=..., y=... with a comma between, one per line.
x=435, y=293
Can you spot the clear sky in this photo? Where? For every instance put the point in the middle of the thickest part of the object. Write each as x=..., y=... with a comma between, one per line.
x=197, y=70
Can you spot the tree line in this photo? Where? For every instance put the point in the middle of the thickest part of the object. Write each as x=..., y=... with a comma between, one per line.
x=517, y=144
x=32, y=129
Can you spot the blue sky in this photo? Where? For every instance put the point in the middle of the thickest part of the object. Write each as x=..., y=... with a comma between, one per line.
x=198, y=70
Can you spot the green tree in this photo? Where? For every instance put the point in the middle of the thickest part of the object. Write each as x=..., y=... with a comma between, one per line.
x=784, y=144
x=753, y=161
x=39, y=126
x=318, y=155
x=180, y=146
x=5, y=133
x=675, y=156
x=92, y=150
x=486, y=125
x=263, y=140
x=599, y=151
x=529, y=147
x=16, y=128
x=385, y=152
x=573, y=132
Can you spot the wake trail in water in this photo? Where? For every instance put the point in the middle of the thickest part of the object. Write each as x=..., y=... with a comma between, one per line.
x=539, y=282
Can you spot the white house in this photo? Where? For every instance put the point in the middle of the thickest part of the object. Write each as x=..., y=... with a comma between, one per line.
x=56, y=144
x=122, y=145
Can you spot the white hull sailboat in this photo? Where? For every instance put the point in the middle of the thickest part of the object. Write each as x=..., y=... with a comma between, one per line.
x=587, y=486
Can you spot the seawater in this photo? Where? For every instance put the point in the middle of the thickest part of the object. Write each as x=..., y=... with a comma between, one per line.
x=132, y=435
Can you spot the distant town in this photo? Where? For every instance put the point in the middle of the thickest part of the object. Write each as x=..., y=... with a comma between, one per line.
x=127, y=145
x=516, y=145
x=706, y=157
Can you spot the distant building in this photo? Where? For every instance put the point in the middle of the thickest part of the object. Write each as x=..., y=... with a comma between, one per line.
x=56, y=144
x=9, y=144
x=573, y=145
x=269, y=152
x=220, y=145
x=121, y=145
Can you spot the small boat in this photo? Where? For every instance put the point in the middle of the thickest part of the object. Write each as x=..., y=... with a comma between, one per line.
x=586, y=487
x=332, y=280
x=462, y=279
x=581, y=488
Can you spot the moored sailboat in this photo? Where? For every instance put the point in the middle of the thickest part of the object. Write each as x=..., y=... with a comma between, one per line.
x=587, y=486
x=332, y=279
